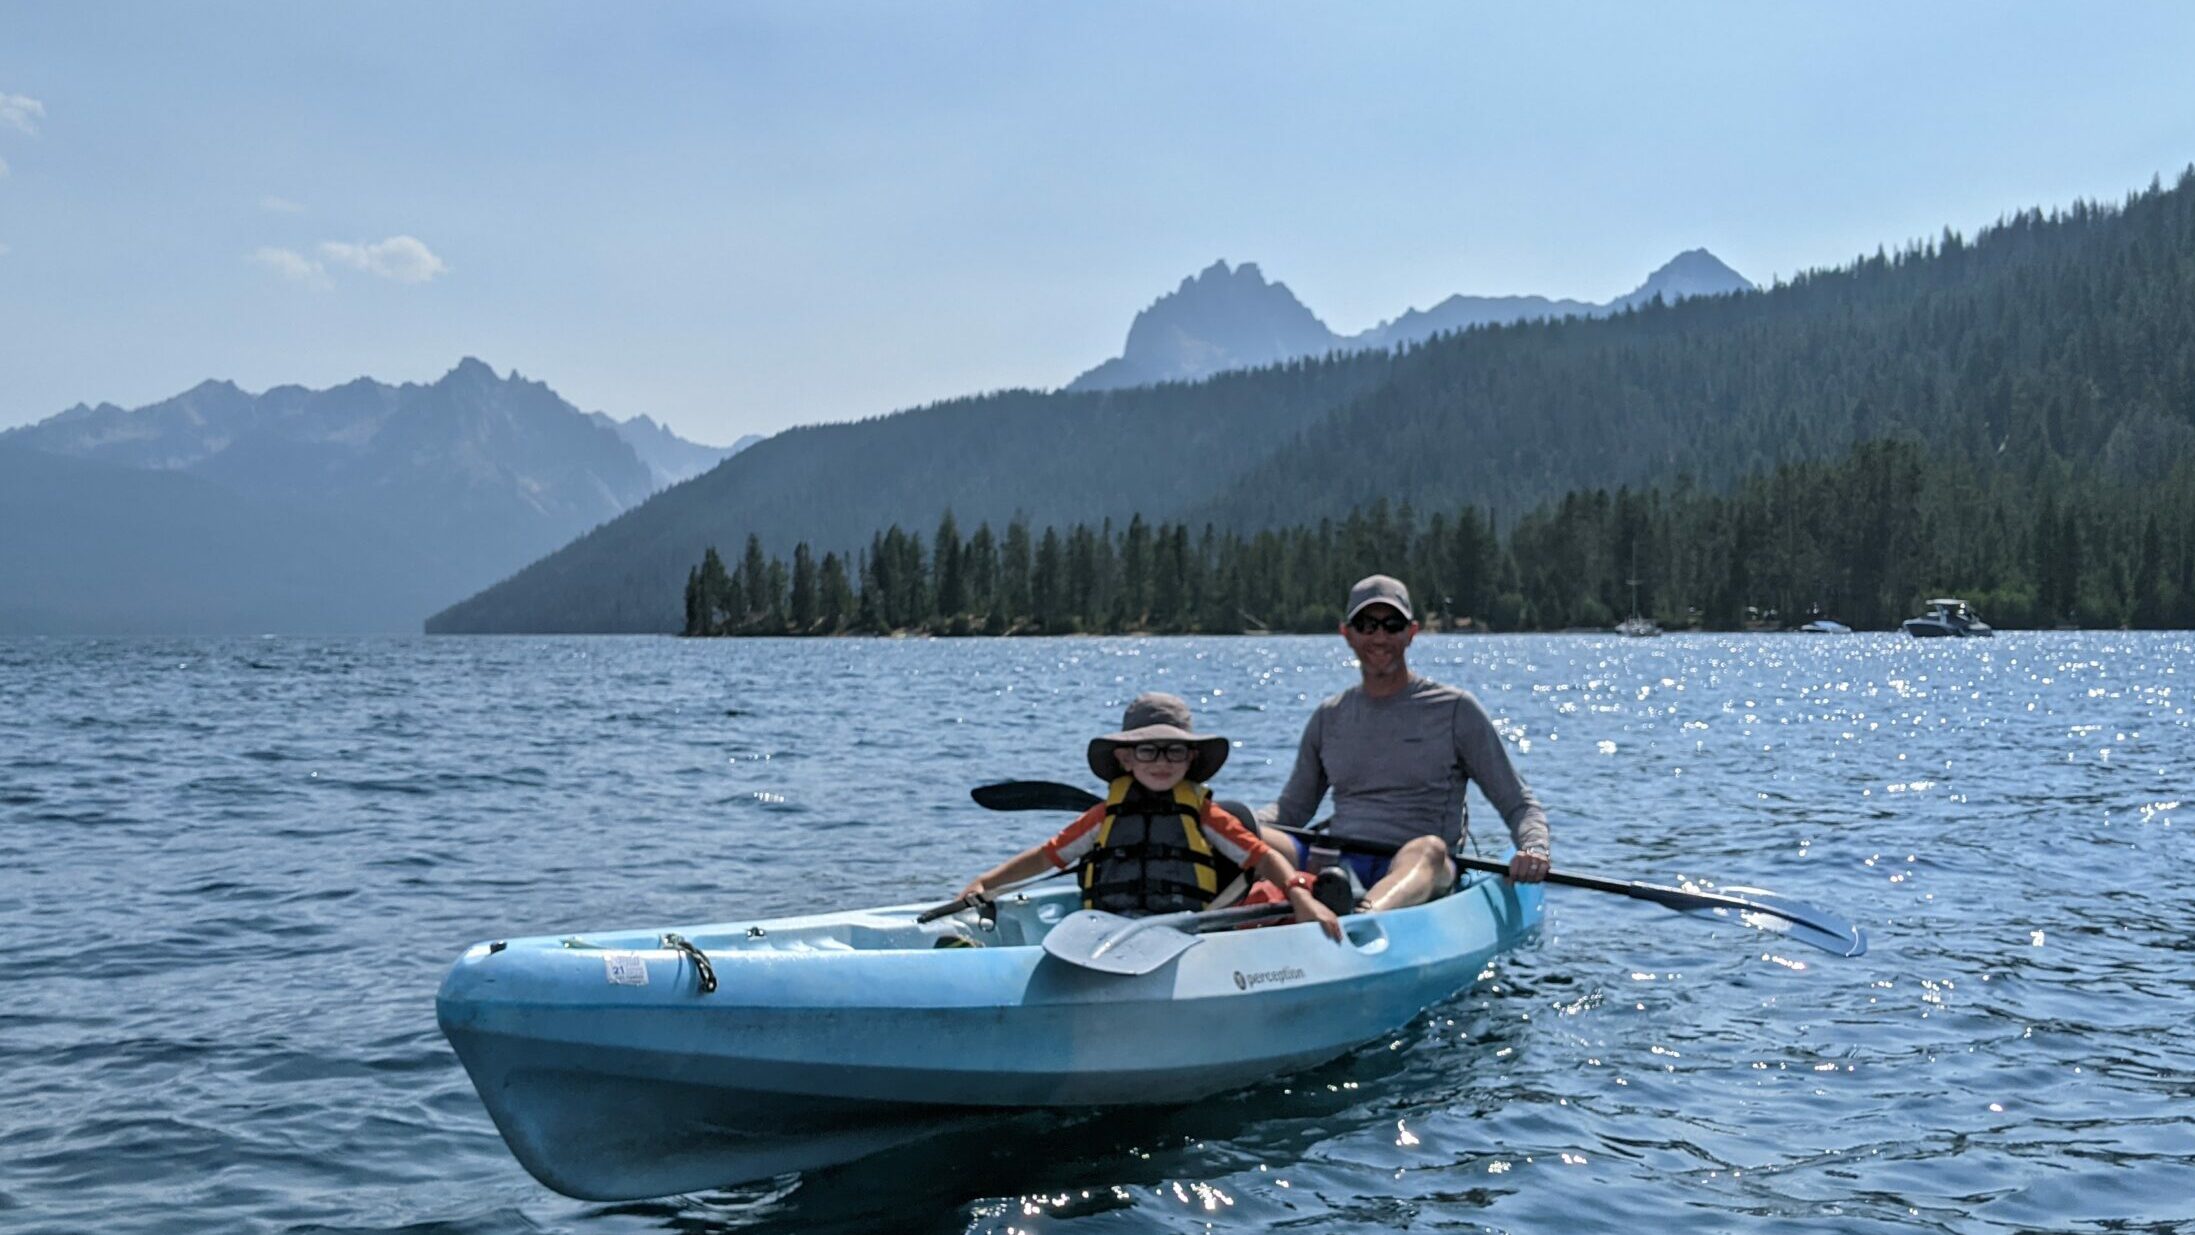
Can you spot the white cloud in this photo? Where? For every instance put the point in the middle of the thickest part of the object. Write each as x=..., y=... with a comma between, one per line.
x=290, y=264
x=20, y=111
x=402, y=258
x=280, y=205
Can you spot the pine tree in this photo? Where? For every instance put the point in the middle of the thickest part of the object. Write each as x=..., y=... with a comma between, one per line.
x=805, y=601
x=1013, y=567
x=1051, y=592
x=952, y=598
x=773, y=598
x=979, y=571
x=836, y=595
x=1135, y=576
x=719, y=595
x=754, y=581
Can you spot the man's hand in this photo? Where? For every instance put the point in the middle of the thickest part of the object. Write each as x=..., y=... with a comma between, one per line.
x=1528, y=868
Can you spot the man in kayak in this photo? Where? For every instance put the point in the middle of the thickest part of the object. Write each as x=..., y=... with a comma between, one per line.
x=1398, y=751
x=1158, y=843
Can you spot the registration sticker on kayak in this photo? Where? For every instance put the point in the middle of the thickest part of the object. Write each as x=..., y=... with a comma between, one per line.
x=625, y=968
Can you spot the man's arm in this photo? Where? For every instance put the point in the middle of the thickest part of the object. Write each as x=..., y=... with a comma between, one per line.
x=1299, y=798
x=1486, y=760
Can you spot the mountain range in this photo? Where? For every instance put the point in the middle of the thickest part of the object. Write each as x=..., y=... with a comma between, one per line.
x=2051, y=346
x=1221, y=319
x=363, y=507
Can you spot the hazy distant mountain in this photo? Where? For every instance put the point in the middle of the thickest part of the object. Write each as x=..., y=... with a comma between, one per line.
x=1219, y=320
x=96, y=549
x=670, y=458
x=415, y=493
x=1694, y=272
x=1464, y=312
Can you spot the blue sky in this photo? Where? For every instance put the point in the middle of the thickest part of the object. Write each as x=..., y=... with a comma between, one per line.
x=737, y=218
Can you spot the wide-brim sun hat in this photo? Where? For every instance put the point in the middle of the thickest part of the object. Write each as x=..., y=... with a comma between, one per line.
x=1158, y=717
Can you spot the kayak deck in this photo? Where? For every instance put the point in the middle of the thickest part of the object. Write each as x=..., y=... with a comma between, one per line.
x=613, y=1076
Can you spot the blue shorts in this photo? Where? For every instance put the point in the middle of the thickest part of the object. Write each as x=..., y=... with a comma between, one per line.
x=1369, y=868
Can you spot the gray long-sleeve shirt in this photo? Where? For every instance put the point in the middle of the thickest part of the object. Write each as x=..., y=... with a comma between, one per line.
x=1398, y=767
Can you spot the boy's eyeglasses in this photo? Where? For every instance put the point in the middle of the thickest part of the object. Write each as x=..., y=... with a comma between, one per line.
x=1365, y=624
x=1152, y=752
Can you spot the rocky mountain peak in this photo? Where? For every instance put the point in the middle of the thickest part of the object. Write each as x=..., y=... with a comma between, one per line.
x=1231, y=317
x=1220, y=318
x=470, y=371
x=1694, y=272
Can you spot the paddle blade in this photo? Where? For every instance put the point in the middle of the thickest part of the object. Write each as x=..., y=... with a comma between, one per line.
x=1109, y=943
x=1766, y=911
x=1033, y=795
x=1780, y=915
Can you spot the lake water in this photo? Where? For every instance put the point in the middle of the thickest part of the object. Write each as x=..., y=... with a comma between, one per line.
x=233, y=872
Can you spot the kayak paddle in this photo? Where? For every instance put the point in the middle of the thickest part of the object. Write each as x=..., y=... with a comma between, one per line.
x=977, y=900
x=1110, y=943
x=1749, y=906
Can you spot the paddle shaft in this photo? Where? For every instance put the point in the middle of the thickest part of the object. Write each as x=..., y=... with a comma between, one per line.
x=975, y=899
x=1837, y=934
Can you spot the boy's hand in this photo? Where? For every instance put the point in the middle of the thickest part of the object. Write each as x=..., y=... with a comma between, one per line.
x=1308, y=909
x=975, y=891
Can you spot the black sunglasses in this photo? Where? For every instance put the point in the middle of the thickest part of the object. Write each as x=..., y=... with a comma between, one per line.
x=1152, y=752
x=1365, y=624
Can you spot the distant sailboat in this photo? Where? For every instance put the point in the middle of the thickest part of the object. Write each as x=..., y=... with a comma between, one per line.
x=1637, y=626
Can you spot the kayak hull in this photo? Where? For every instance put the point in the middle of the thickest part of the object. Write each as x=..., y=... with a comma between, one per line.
x=613, y=1077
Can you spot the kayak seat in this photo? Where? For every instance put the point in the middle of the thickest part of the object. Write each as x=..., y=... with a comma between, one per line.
x=1228, y=870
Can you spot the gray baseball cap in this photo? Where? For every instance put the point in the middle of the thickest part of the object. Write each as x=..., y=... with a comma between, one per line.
x=1379, y=590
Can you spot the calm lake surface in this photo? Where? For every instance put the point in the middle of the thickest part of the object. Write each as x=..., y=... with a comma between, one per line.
x=232, y=874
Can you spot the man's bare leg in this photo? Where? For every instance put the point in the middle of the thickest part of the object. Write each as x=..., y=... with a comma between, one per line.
x=1419, y=867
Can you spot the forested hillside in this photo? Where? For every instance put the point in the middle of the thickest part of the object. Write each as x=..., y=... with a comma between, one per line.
x=2056, y=349
x=2067, y=336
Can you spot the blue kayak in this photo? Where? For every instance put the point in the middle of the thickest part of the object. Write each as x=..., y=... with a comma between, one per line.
x=613, y=1075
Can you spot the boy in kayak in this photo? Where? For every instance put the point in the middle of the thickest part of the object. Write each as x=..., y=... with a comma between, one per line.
x=1158, y=843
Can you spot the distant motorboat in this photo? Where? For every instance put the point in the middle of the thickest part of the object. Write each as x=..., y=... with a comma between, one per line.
x=1948, y=618
x=1824, y=626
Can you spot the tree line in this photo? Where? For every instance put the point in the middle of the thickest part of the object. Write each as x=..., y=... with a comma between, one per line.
x=1864, y=539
